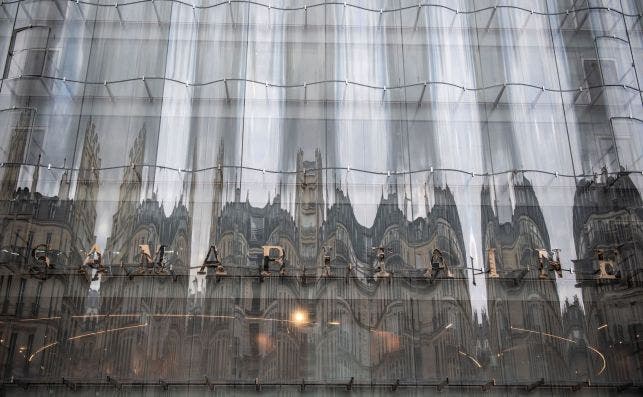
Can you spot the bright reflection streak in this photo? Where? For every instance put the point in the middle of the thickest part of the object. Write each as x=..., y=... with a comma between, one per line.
x=41, y=349
x=40, y=319
x=602, y=357
x=470, y=357
x=333, y=322
x=86, y=335
x=299, y=317
x=191, y=315
x=108, y=315
x=449, y=326
x=151, y=315
x=188, y=316
x=106, y=331
x=566, y=340
x=22, y=320
x=602, y=326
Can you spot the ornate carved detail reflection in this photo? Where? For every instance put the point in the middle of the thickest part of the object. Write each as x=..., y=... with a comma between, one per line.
x=608, y=230
x=522, y=299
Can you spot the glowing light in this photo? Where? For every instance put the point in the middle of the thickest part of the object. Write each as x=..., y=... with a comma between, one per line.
x=264, y=343
x=476, y=362
x=299, y=317
x=567, y=340
x=333, y=322
x=602, y=326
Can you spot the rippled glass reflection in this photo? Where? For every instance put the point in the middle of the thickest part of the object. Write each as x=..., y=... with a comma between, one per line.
x=354, y=196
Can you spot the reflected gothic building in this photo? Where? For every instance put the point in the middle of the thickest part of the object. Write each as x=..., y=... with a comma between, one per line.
x=64, y=224
x=608, y=218
x=148, y=308
x=518, y=301
x=241, y=326
x=143, y=221
x=434, y=105
x=355, y=321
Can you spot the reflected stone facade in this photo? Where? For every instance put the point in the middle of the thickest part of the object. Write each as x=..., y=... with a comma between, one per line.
x=358, y=197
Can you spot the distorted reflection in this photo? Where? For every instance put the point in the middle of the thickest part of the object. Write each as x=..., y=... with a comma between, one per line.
x=367, y=196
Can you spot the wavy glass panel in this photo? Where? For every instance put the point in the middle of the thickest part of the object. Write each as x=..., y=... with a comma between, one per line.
x=324, y=197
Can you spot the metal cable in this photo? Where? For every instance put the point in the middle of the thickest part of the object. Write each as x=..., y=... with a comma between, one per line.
x=348, y=5
x=318, y=82
x=337, y=168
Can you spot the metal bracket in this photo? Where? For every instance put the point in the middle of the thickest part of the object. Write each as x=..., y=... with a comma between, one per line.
x=488, y=385
x=120, y=17
x=579, y=386
x=499, y=97
x=156, y=11
x=109, y=92
x=441, y=385
x=534, y=385
x=493, y=13
x=422, y=95
x=208, y=383
x=147, y=89
x=114, y=382
x=349, y=385
x=417, y=17
x=70, y=385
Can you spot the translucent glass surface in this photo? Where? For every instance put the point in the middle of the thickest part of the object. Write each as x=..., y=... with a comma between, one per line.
x=324, y=197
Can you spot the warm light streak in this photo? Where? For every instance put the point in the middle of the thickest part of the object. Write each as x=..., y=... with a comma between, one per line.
x=24, y=320
x=108, y=315
x=476, y=362
x=279, y=320
x=40, y=319
x=184, y=316
x=602, y=358
x=191, y=315
x=566, y=340
x=106, y=331
x=45, y=347
x=298, y=317
x=333, y=322
x=72, y=338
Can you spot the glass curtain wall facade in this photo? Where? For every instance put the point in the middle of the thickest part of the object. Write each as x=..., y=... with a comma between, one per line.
x=328, y=197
